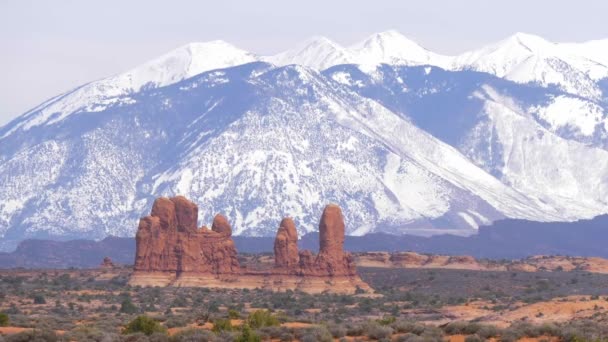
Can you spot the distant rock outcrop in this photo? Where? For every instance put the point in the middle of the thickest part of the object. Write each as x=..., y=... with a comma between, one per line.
x=107, y=263
x=172, y=251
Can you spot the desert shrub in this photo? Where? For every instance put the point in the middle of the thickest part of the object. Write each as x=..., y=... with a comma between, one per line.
x=158, y=337
x=227, y=336
x=233, y=314
x=473, y=338
x=454, y=328
x=337, y=330
x=42, y=335
x=273, y=332
x=471, y=328
x=549, y=329
x=136, y=337
x=39, y=299
x=286, y=336
x=84, y=333
x=409, y=337
x=521, y=329
x=432, y=333
x=386, y=320
x=488, y=331
x=3, y=319
x=407, y=327
x=176, y=321
x=582, y=330
x=376, y=331
x=510, y=335
x=222, y=324
x=144, y=324
x=262, y=318
x=355, y=329
x=194, y=335
x=316, y=334
x=248, y=335
x=128, y=307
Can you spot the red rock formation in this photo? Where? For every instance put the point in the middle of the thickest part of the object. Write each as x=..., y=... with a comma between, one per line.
x=168, y=241
x=107, y=263
x=221, y=225
x=331, y=231
x=286, y=245
x=331, y=260
x=172, y=251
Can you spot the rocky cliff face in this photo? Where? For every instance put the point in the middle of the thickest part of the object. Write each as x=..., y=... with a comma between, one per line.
x=169, y=241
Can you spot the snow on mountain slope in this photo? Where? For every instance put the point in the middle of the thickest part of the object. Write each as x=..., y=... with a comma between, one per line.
x=531, y=139
x=391, y=47
x=521, y=57
x=177, y=65
x=572, y=113
x=537, y=162
x=309, y=141
x=527, y=58
x=317, y=53
x=595, y=50
x=22, y=181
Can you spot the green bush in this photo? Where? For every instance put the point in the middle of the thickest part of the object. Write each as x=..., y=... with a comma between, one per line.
x=145, y=325
x=247, y=335
x=262, y=318
x=222, y=324
x=128, y=307
x=3, y=319
x=233, y=314
x=386, y=320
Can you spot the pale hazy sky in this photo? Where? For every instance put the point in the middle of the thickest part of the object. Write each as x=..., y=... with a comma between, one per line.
x=48, y=47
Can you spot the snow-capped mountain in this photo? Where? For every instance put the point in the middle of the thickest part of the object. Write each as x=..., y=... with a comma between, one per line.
x=318, y=53
x=523, y=58
x=527, y=58
x=177, y=65
x=389, y=47
x=405, y=140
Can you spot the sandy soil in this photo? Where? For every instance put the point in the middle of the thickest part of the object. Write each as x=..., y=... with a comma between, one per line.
x=555, y=310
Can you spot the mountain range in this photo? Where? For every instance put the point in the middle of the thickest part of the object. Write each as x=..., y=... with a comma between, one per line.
x=404, y=139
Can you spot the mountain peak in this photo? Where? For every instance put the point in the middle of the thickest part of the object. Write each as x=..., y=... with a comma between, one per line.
x=316, y=52
x=392, y=47
x=530, y=42
x=387, y=38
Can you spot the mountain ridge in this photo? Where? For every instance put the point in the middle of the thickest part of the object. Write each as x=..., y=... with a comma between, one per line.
x=259, y=141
